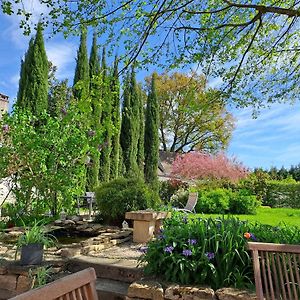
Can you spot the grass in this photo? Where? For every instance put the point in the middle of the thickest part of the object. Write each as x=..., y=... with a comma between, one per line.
x=266, y=215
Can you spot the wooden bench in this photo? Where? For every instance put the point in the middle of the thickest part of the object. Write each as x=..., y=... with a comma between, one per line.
x=276, y=270
x=77, y=286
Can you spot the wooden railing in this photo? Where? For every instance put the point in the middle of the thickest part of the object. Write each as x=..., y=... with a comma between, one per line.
x=276, y=270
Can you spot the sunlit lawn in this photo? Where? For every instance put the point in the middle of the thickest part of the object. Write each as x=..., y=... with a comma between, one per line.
x=265, y=215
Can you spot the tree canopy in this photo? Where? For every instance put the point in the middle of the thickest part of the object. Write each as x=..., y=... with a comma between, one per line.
x=191, y=116
x=251, y=45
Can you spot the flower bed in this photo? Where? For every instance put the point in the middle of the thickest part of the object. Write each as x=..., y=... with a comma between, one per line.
x=212, y=252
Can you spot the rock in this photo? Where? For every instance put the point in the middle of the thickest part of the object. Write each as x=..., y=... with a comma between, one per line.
x=69, y=252
x=119, y=241
x=146, y=290
x=3, y=270
x=175, y=292
x=68, y=222
x=74, y=218
x=8, y=282
x=23, y=284
x=235, y=294
x=58, y=222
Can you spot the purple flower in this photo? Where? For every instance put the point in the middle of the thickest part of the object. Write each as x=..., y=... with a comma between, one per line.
x=144, y=249
x=187, y=252
x=63, y=111
x=253, y=237
x=161, y=236
x=169, y=249
x=5, y=128
x=210, y=255
x=192, y=241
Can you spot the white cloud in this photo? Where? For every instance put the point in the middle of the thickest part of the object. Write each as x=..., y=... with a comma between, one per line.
x=62, y=55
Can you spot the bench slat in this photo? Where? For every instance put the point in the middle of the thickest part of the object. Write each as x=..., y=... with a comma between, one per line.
x=77, y=286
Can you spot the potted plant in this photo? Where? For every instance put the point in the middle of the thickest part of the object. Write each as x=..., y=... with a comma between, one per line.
x=32, y=244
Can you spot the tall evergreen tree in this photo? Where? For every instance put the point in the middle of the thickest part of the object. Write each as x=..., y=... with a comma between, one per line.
x=81, y=90
x=116, y=121
x=106, y=121
x=151, y=136
x=96, y=107
x=33, y=89
x=141, y=129
x=130, y=125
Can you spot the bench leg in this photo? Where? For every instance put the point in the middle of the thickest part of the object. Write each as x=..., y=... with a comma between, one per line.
x=143, y=231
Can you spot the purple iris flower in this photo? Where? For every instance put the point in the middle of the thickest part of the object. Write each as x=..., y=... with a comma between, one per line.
x=192, y=241
x=187, y=252
x=210, y=255
x=253, y=237
x=169, y=249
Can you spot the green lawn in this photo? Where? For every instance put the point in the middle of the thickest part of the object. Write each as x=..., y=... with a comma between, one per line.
x=266, y=215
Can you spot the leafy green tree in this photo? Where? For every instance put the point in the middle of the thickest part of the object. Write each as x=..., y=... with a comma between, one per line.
x=130, y=125
x=81, y=77
x=151, y=135
x=246, y=43
x=33, y=84
x=192, y=117
x=116, y=121
x=106, y=121
x=46, y=163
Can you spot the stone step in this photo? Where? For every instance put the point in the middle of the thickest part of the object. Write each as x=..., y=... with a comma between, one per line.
x=124, y=270
x=108, y=289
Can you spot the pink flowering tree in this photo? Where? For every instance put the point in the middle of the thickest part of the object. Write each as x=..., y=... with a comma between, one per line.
x=199, y=165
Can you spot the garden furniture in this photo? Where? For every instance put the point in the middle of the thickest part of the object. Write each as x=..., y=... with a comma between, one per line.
x=145, y=223
x=191, y=203
x=276, y=270
x=80, y=285
x=89, y=198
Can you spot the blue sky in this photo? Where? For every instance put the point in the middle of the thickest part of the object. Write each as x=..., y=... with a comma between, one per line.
x=270, y=140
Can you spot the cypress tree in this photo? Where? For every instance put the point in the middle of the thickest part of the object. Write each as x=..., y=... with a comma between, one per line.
x=130, y=125
x=95, y=85
x=141, y=129
x=33, y=84
x=106, y=122
x=116, y=121
x=151, y=136
x=81, y=90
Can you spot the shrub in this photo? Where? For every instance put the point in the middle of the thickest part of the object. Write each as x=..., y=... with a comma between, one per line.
x=118, y=196
x=195, y=251
x=243, y=202
x=168, y=188
x=214, y=201
x=179, y=199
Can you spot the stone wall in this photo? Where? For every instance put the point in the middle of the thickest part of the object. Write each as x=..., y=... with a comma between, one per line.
x=15, y=279
x=151, y=290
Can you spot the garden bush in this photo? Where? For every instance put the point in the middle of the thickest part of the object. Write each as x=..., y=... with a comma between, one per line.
x=214, y=201
x=204, y=251
x=243, y=202
x=118, y=196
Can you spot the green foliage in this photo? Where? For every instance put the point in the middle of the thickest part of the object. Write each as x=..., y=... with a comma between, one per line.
x=35, y=235
x=243, y=202
x=169, y=187
x=151, y=135
x=115, y=161
x=179, y=198
x=45, y=158
x=130, y=125
x=222, y=201
x=39, y=276
x=118, y=196
x=81, y=77
x=33, y=84
x=285, y=193
x=214, y=201
x=106, y=122
x=197, y=251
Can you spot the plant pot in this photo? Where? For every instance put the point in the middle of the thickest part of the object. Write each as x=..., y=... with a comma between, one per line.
x=32, y=254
